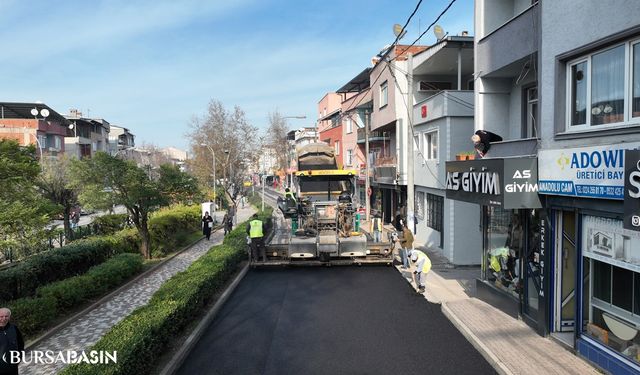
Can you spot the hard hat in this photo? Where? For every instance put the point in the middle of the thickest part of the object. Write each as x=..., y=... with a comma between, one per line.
x=414, y=255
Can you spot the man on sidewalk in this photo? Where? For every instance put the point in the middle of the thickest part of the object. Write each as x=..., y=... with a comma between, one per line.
x=423, y=266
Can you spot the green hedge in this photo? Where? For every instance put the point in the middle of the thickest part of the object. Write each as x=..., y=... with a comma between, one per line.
x=73, y=259
x=51, y=301
x=109, y=224
x=171, y=227
x=141, y=337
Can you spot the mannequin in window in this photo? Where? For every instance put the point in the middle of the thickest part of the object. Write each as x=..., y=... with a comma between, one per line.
x=482, y=140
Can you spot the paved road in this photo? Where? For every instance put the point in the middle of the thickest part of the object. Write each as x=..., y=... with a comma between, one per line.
x=338, y=320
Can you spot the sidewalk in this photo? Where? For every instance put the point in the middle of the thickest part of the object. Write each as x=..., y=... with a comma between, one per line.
x=509, y=345
x=88, y=329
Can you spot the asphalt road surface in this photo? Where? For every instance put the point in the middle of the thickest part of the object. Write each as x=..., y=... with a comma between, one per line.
x=337, y=320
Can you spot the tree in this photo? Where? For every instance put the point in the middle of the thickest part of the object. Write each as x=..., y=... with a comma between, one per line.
x=233, y=141
x=23, y=211
x=178, y=186
x=105, y=180
x=55, y=186
x=277, y=139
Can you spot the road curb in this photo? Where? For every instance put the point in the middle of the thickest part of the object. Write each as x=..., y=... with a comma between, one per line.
x=102, y=300
x=493, y=360
x=177, y=360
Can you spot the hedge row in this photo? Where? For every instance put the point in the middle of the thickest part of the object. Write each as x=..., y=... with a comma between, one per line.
x=52, y=300
x=75, y=258
x=142, y=336
x=169, y=229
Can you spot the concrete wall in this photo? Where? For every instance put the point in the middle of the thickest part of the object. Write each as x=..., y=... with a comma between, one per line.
x=570, y=25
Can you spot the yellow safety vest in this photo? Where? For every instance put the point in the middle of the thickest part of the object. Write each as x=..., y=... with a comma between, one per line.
x=426, y=267
x=255, y=231
x=289, y=194
x=376, y=224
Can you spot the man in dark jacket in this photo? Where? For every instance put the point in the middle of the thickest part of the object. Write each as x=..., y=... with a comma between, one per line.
x=482, y=140
x=10, y=341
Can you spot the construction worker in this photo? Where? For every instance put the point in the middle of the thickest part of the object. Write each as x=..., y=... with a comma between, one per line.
x=376, y=228
x=423, y=266
x=288, y=194
x=255, y=230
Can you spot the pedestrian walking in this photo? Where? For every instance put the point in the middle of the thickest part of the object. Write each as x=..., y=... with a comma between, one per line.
x=11, y=344
x=407, y=245
x=255, y=230
x=376, y=228
x=227, y=222
x=207, y=225
x=423, y=266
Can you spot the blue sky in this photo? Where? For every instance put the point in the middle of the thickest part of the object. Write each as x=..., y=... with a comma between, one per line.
x=152, y=65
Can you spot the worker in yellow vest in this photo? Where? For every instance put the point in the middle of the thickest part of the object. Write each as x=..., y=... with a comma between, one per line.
x=289, y=194
x=255, y=230
x=423, y=266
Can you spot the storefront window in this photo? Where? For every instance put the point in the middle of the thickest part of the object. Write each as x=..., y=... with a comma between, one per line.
x=614, y=297
x=505, y=240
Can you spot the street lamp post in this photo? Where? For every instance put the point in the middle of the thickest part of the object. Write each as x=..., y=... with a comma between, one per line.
x=213, y=162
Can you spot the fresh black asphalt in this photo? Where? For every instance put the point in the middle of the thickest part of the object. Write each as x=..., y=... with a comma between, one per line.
x=337, y=320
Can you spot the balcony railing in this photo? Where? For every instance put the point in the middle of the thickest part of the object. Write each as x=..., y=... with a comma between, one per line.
x=373, y=136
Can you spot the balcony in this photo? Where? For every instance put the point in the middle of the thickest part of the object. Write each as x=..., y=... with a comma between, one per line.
x=374, y=136
x=385, y=170
x=507, y=38
x=446, y=103
x=513, y=148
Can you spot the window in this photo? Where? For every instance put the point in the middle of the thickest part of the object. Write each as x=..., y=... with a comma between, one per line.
x=431, y=145
x=435, y=208
x=636, y=80
x=597, y=92
x=42, y=140
x=384, y=99
x=337, y=146
x=348, y=125
x=416, y=143
x=419, y=199
x=531, y=123
x=349, y=157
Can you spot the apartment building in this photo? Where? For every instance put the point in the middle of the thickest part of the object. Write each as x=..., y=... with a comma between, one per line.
x=34, y=124
x=86, y=136
x=442, y=124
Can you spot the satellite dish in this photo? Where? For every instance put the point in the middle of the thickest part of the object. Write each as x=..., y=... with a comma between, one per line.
x=438, y=31
x=397, y=29
x=44, y=112
x=34, y=112
x=70, y=126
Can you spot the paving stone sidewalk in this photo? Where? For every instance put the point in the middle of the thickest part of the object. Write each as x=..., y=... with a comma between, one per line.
x=89, y=328
x=508, y=344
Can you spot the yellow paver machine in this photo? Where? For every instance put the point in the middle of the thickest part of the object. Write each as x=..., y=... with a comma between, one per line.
x=319, y=224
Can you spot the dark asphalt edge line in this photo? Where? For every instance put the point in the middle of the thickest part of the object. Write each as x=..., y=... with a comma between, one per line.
x=102, y=300
x=178, y=359
x=484, y=350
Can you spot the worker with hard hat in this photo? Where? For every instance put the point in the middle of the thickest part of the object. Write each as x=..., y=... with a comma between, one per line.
x=423, y=266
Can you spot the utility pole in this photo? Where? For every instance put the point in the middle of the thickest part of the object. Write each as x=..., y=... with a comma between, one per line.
x=367, y=199
x=411, y=224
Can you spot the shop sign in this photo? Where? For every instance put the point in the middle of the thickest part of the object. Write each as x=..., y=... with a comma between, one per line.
x=508, y=183
x=632, y=190
x=475, y=181
x=605, y=239
x=590, y=172
x=521, y=183
x=543, y=250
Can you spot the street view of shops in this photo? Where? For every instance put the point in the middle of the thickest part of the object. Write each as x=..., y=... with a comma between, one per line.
x=280, y=187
